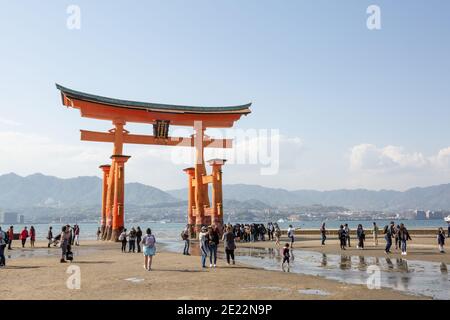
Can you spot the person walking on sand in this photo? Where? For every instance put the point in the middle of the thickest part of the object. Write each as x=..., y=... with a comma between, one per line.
x=441, y=240
x=203, y=242
x=149, y=249
x=388, y=234
x=277, y=235
x=229, y=243
x=50, y=236
x=286, y=256
x=138, y=238
x=3, y=242
x=323, y=233
x=375, y=234
x=123, y=240
x=185, y=238
x=64, y=243
x=403, y=235
x=291, y=234
x=347, y=234
x=10, y=237
x=24, y=236
x=132, y=240
x=77, y=234
x=342, y=237
x=361, y=236
x=396, y=237
x=99, y=232
x=213, y=242
x=32, y=236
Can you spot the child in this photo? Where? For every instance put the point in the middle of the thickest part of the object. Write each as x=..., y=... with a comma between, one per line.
x=441, y=240
x=342, y=237
x=286, y=256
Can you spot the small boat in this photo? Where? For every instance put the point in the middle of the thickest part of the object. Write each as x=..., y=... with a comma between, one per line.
x=447, y=219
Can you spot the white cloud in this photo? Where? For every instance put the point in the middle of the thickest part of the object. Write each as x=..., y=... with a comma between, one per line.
x=9, y=122
x=368, y=157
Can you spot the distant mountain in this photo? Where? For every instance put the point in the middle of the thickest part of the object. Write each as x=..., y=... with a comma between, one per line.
x=433, y=198
x=41, y=191
x=38, y=190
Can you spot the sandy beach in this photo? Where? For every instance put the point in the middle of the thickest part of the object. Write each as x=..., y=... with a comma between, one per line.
x=106, y=273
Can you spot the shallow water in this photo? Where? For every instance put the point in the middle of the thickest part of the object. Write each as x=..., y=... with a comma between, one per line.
x=409, y=276
x=18, y=253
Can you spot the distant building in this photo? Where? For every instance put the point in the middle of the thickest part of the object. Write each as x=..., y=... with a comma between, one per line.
x=435, y=215
x=9, y=217
x=421, y=215
x=21, y=219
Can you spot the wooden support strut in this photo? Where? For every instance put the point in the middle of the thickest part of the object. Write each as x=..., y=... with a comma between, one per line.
x=106, y=170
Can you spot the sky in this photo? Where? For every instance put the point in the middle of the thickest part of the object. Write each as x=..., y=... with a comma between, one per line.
x=335, y=104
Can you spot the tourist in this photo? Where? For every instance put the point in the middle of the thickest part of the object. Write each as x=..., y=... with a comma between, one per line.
x=230, y=245
x=347, y=234
x=138, y=238
x=3, y=242
x=24, y=236
x=396, y=237
x=149, y=248
x=185, y=238
x=213, y=242
x=65, y=243
x=388, y=234
x=123, y=240
x=132, y=240
x=270, y=230
x=99, y=232
x=10, y=237
x=71, y=237
x=50, y=236
x=277, y=235
x=77, y=234
x=291, y=234
x=32, y=236
x=448, y=229
x=441, y=239
x=203, y=242
x=403, y=236
x=342, y=237
x=375, y=234
x=361, y=236
x=286, y=256
x=323, y=233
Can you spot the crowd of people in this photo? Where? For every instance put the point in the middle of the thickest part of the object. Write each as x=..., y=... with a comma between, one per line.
x=69, y=236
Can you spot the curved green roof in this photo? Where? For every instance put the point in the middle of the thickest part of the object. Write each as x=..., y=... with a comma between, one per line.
x=151, y=106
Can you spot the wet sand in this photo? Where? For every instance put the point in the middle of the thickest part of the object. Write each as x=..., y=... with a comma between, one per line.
x=106, y=273
x=422, y=248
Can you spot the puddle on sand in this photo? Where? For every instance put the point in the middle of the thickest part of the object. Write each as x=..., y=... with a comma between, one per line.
x=134, y=280
x=409, y=276
x=314, y=292
x=19, y=253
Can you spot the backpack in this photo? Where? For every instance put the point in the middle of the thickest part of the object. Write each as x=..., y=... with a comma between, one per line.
x=184, y=235
x=69, y=255
x=149, y=241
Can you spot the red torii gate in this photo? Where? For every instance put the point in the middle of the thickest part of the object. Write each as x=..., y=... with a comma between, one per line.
x=161, y=116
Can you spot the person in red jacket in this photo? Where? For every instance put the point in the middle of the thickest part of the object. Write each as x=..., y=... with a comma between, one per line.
x=10, y=236
x=32, y=236
x=24, y=236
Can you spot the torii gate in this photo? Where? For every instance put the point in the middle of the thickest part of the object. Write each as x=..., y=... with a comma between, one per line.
x=119, y=112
